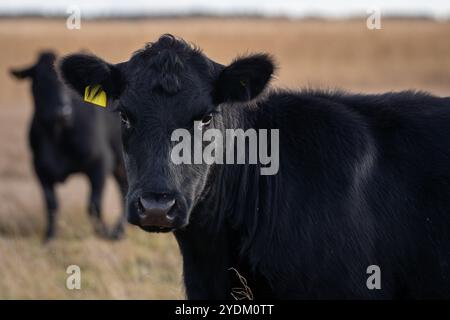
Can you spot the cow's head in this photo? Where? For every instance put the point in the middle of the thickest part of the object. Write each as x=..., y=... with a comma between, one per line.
x=52, y=104
x=166, y=86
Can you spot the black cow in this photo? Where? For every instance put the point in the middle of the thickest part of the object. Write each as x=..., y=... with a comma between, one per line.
x=363, y=180
x=68, y=136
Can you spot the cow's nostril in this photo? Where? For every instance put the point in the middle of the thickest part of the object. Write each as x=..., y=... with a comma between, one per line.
x=140, y=206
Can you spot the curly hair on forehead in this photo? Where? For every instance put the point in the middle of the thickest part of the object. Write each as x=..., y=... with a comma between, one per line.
x=168, y=41
x=165, y=59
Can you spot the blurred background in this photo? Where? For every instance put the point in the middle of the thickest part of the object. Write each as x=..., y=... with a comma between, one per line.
x=316, y=43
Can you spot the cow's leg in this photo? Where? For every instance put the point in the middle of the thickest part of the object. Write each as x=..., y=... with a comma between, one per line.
x=121, y=178
x=51, y=203
x=52, y=209
x=97, y=179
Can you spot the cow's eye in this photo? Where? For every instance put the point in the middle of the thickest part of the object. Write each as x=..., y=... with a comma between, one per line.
x=206, y=120
x=125, y=120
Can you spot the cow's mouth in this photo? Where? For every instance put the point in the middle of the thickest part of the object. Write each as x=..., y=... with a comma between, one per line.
x=156, y=229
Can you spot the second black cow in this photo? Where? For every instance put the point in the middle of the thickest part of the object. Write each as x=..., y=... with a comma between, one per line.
x=68, y=136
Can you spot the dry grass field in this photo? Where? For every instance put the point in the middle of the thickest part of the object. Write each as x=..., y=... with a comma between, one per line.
x=404, y=54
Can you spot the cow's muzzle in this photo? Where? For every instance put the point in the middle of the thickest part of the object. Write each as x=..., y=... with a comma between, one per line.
x=154, y=210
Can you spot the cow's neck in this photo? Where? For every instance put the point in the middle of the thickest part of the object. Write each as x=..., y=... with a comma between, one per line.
x=232, y=212
x=232, y=199
x=217, y=235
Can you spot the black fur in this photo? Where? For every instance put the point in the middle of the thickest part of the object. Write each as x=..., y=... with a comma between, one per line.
x=69, y=136
x=363, y=180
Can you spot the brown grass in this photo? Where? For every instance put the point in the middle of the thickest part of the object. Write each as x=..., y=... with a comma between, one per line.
x=404, y=54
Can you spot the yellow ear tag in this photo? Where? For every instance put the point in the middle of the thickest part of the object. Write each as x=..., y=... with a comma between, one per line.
x=96, y=95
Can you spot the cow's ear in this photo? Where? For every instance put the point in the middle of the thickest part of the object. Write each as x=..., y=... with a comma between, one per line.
x=22, y=73
x=244, y=79
x=82, y=70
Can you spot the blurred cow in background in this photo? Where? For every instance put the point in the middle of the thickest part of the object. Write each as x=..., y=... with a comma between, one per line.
x=66, y=137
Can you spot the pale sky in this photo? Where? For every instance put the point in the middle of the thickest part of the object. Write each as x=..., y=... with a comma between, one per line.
x=290, y=8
